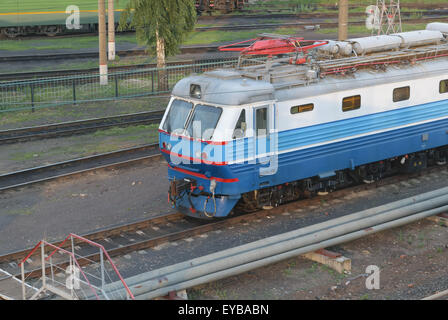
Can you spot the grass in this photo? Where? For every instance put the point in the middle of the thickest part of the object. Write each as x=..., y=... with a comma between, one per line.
x=320, y=5
x=71, y=112
x=195, y=293
x=83, y=42
x=363, y=30
x=195, y=38
x=333, y=273
x=26, y=212
x=313, y=268
x=50, y=5
x=99, y=142
x=89, y=64
x=289, y=269
x=364, y=297
x=210, y=37
x=78, y=42
x=23, y=156
x=439, y=249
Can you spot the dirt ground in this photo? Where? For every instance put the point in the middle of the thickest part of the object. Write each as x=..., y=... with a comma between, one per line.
x=67, y=113
x=91, y=202
x=412, y=260
x=36, y=153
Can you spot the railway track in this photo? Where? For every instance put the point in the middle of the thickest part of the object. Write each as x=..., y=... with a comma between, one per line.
x=76, y=167
x=200, y=49
x=122, y=239
x=260, y=15
x=89, y=54
x=321, y=22
x=63, y=73
x=78, y=127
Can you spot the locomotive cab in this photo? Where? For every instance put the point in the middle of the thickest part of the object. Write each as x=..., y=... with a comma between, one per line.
x=205, y=140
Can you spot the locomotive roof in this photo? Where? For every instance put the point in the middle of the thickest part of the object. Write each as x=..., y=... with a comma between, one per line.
x=279, y=80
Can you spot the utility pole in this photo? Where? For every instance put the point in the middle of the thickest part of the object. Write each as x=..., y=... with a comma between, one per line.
x=111, y=26
x=343, y=20
x=102, y=41
x=389, y=14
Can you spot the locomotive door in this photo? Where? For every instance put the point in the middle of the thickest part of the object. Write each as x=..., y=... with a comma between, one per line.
x=265, y=139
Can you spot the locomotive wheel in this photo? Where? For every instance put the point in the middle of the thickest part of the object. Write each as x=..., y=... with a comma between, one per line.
x=52, y=31
x=11, y=32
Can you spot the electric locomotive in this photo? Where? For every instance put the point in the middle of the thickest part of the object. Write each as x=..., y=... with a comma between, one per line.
x=306, y=119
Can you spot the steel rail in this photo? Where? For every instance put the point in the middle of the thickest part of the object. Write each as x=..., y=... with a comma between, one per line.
x=204, y=227
x=300, y=24
x=63, y=73
x=437, y=295
x=101, y=234
x=273, y=15
x=94, y=54
x=236, y=268
x=76, y=167
x=79, y=127
x=198, y=49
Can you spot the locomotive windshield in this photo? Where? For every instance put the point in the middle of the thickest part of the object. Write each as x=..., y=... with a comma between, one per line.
x=201, y=123
x=177, y=116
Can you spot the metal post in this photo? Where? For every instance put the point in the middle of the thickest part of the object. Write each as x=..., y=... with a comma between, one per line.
x=72, y=271
x=116, y=86
x=52, y=271
x=343, y=20
x=74, y=91
x=72, y=267
x=102, y=269
x=42, y=246
x=152, y=81
x=32, y=97
x=111, y=27
x=23, y=280
x=73, y=245
x=102, y=41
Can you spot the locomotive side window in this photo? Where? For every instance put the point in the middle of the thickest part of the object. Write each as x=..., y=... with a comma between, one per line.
x=443, y=86
x=401, y=94
x=240, y=128
x=302, y=108
x=261, y=120
x=351, y=103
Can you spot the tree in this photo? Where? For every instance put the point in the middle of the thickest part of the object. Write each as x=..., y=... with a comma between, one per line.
x=160, y=25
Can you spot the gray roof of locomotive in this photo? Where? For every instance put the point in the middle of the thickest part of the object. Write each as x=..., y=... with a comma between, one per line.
x=283, y=82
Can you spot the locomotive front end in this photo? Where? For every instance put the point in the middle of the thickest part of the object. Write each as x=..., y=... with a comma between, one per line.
x=204, y=138
x=199, y=178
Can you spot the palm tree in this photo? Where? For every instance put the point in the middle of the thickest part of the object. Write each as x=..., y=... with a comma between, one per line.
x=160, y=25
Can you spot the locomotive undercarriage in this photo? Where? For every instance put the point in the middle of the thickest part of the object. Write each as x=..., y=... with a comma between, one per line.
x=13, y=32
x=310, y=187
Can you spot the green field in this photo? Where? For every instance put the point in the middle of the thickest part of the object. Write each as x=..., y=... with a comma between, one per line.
x=46, y=12
x=16, y=6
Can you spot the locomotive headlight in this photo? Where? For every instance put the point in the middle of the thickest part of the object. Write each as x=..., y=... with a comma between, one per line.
x=168, y=146
x=195, y=91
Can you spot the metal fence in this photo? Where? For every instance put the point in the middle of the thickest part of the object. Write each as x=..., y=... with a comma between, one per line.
x=49, y=92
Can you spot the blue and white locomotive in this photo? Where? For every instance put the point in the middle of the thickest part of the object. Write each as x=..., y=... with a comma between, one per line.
x=240, y=139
